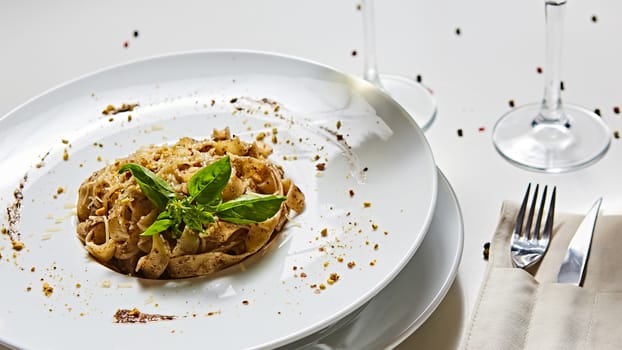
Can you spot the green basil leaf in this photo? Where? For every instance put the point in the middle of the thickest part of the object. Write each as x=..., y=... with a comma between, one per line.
x=153, y=187
x=206, y=186
x=162, y=223
x=249, y=208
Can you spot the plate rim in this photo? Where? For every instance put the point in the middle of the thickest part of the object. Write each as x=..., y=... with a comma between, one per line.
x=450, y=278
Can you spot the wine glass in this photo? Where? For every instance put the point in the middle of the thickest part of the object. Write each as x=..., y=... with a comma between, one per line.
x=415, y=98
x=551, y=136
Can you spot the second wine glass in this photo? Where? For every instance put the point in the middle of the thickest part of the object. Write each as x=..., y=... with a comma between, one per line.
x=551, y=136
x=415, y=98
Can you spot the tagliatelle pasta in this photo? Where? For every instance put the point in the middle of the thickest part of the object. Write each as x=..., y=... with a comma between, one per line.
x=113, y=212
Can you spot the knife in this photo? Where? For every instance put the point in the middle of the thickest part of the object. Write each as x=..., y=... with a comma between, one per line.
x=573, y=267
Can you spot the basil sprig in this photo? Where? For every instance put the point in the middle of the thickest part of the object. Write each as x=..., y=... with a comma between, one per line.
x=204, y=204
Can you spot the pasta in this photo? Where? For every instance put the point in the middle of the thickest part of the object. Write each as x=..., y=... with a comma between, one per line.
x=113, y=212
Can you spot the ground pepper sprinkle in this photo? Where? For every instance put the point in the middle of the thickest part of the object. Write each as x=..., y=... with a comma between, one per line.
x=47, y=289
x=539, y=70
x=597, y=112
x=332, y=278
x=459, y=132
x=17, y=245
x=616, y=134
x=616, y=110
x=511, y=103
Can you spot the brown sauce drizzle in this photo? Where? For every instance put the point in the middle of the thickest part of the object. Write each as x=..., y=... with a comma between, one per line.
x=14, y=212
x=135, y=316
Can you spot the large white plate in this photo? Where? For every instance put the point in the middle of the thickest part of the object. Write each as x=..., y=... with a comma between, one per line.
x=382, y=156
x=407, y=302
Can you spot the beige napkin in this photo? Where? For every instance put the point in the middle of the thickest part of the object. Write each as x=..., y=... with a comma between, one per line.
x=518, y=309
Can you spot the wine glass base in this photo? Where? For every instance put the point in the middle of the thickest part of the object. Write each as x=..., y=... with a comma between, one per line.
x=414, y=97
x=551, y=147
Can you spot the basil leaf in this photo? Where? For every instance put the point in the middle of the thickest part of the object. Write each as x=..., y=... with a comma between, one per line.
x=162, y=223
x=153, y=187
x=207, y=184
x=249, y=208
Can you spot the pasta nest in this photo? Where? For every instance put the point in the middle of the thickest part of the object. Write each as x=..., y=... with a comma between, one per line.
x=113, y=212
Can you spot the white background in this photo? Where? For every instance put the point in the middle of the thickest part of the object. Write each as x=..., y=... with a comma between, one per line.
x=473, y=75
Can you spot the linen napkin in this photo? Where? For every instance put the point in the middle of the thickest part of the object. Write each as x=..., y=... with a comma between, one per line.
x=527, y=309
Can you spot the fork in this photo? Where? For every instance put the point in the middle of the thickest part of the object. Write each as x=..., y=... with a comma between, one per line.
x=528, y=246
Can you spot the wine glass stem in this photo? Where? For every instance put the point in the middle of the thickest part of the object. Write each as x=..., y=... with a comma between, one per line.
x=551, y=111
x=369, y=44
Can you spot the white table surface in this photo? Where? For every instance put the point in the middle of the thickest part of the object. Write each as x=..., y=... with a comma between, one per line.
x=473, y=75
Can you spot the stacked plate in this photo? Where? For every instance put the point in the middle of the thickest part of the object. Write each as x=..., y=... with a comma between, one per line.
x=371, y=256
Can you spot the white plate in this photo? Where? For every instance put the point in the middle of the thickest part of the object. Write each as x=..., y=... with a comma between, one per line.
x=264, y=302
x=407, y=302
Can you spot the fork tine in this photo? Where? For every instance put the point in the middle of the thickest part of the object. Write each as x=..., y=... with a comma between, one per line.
x=537, y=233
x=518, y=226
x=532, y=209
x=527, y=248
x=548, y=226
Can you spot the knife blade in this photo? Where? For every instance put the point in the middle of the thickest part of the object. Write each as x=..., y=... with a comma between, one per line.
x=573, y=267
